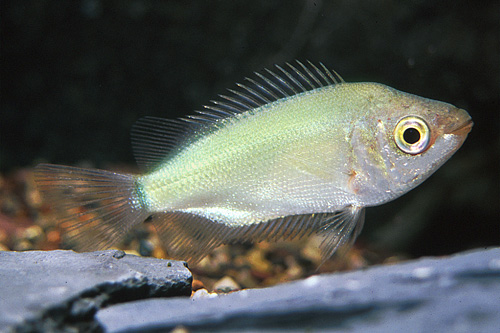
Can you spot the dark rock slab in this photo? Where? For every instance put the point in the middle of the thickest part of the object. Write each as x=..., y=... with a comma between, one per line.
x=59, y=290
x=453, y=294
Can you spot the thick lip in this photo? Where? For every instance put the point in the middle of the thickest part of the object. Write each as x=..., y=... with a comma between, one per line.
x=463, y=129
x=458, y=122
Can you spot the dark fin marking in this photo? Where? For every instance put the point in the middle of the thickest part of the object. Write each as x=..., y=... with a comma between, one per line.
x=341, y=230
x=96, y=208
x=155, y=140
x=191, y=237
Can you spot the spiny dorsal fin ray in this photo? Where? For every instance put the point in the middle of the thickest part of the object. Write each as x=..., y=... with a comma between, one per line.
x=155, y=139
x=190, y=237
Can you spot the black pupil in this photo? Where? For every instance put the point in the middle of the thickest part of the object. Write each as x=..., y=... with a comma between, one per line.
x=411, y=135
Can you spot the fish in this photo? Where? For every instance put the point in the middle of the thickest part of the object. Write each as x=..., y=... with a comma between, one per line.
x=291, y=152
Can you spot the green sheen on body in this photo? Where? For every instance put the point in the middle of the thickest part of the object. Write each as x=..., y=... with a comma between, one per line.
x=298, y=152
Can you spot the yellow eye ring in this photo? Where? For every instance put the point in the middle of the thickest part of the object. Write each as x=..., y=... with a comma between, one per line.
x=412, y=135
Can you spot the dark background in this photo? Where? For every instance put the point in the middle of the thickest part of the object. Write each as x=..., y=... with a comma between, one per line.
x=75, y=75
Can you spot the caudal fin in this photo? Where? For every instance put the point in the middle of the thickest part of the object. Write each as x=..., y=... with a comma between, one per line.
x=95, y=207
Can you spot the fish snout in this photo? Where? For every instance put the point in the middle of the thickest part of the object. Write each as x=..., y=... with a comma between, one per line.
x=458, y=123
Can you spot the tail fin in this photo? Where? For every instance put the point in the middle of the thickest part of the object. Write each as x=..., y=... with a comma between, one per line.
x=95, y=207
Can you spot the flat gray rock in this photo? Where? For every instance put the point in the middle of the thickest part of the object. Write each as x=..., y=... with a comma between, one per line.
x=452, y=294
x=53, y=290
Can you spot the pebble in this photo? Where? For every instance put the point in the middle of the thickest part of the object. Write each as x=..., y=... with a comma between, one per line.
x=225, y=285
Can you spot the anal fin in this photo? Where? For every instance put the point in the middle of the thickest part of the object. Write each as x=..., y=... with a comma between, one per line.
x=187, y=236
x=190, y=237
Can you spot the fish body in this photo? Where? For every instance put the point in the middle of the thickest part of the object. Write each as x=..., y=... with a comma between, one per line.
x=297, y=153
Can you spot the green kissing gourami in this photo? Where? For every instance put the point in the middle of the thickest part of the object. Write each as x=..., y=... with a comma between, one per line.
x=294, y=152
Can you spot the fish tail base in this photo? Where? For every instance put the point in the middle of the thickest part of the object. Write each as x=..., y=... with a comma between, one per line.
x=95, y=208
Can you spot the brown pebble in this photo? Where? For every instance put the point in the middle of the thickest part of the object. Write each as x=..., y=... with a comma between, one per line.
x=54, y=236
x=197, y=284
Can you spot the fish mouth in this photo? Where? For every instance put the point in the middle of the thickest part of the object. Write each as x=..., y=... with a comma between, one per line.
x=463, y=129
x=461, y=125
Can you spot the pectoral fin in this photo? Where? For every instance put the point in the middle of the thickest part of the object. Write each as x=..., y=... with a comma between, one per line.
x=341, y=230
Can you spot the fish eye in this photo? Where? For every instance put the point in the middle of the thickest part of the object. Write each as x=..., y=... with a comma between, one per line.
x=412, y=135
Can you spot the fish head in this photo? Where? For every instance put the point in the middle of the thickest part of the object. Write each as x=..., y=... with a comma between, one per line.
x=404, y=139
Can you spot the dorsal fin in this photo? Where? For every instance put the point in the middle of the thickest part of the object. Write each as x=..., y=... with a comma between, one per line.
x=155, y=139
